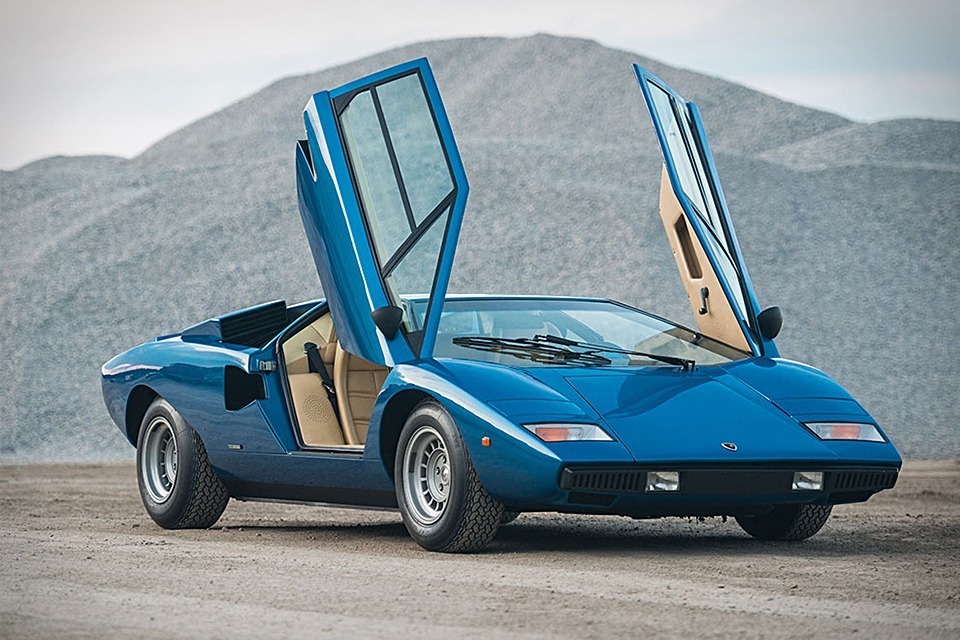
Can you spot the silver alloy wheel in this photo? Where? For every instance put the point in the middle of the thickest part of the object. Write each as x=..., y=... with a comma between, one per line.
x=426, y=475
x=158, y=464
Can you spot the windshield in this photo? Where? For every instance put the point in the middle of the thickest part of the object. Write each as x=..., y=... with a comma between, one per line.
x=589, y=321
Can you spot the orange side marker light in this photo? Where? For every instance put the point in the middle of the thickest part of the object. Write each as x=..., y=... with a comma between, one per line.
x=485, y=441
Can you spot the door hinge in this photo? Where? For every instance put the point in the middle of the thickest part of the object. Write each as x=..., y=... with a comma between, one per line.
x=267, y=366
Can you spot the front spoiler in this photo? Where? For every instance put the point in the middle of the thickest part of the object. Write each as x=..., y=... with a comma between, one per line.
x=712, y=491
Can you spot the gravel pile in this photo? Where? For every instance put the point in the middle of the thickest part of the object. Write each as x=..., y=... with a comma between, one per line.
x=850, y=228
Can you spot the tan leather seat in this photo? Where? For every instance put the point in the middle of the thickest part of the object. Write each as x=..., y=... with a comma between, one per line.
x=318, y=422
x=315, y=415
x=358, y=384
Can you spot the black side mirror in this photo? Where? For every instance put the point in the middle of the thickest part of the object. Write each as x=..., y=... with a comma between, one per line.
x=387, y=320
x=770, y=321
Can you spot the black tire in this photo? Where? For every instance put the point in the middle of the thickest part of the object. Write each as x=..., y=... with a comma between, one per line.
x=508, y=517
x=457, y=515
x=787, y=522
x=195, y=497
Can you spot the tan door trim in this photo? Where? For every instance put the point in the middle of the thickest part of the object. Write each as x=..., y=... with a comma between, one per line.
x=715, y=319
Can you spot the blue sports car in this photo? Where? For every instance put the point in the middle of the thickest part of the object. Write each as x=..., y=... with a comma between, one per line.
x=463, y=411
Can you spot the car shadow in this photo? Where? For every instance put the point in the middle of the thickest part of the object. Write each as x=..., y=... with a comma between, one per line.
x=532, y=535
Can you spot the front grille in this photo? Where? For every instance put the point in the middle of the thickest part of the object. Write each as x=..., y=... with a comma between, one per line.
x=860, y=480
x=723, y=481
x=612, y=480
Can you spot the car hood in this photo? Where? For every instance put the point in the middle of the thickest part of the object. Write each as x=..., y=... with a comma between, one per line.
x=662, y=414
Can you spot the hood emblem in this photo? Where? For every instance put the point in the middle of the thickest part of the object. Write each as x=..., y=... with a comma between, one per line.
x=729, y=446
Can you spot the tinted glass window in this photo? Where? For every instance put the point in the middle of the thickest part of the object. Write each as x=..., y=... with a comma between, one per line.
x=678, y=149
x=376, y=182
x=701, y=173
x=415, y=272
x=686, y=159
x=423, y=164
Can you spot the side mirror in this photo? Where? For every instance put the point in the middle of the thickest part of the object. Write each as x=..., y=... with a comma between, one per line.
x=770, y=321
x=387, y=320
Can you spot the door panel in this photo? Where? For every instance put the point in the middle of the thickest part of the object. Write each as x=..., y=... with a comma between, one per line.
x=387, y=208
x=716, y=318
x=697, y=223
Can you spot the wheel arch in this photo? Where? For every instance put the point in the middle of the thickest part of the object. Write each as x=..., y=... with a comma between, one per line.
x=395, y=415
x=517, y=469
x=139, y=400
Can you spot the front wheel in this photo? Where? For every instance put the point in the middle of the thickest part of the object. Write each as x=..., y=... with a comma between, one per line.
x=177, y=484
x=444, y=506
x=787, y=522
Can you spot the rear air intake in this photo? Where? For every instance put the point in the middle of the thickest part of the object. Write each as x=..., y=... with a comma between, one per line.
x=256, y=326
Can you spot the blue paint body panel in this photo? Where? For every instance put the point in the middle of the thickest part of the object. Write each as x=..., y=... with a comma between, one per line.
x=659, y=417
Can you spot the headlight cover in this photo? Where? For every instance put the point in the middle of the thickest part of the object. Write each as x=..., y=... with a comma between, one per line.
x=568, y=432
x=863, y=431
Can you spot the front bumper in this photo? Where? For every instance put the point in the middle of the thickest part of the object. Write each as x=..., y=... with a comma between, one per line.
x=713, y=491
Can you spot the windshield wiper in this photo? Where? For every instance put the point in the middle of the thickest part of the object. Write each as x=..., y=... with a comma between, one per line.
x=547, y=349
x=532, y=349
x=683, y=363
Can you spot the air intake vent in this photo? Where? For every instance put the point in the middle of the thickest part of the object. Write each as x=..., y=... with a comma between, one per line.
x=616, y=481
x=861, y=480
x=254, y=327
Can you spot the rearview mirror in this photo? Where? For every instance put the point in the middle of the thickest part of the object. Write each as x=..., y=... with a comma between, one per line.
x=770, y=321
x=387, y=320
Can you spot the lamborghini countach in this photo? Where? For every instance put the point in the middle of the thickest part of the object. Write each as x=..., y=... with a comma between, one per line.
x=464, y=411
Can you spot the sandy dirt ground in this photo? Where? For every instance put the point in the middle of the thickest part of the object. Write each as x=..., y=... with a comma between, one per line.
x=80, y=558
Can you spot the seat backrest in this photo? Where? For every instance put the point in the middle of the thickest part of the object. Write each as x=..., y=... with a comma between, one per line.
x=358, y=383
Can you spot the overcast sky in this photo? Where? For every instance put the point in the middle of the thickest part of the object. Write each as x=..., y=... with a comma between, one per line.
x=114, y=76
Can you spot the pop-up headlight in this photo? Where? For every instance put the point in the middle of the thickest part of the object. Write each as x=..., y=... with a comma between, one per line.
x=567, y=432
x=845, y=431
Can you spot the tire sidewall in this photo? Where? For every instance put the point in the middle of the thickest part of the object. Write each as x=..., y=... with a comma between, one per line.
x=439, y=534
x=167, y=513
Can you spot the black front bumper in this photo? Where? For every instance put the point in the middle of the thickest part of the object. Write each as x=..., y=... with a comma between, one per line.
x=601, y=486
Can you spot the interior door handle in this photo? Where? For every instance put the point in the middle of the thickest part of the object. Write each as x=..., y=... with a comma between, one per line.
x=704, y=294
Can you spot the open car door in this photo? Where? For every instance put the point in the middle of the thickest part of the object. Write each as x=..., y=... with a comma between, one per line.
x=698, y=225
x=382, y=191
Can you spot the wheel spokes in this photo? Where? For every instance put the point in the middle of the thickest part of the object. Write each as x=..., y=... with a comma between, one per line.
x=427, y=481
x=158, y=461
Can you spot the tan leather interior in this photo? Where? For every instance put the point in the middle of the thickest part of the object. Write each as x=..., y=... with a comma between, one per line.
x=720, y=321
x=320, y=333
x=358, y=384
x=318, y=423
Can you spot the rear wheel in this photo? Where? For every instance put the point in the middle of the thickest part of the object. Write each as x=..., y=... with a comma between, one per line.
x=444, y=506
x=787, y=522
x=177, y=484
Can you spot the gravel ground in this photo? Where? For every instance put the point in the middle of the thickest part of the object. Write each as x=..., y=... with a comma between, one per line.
x=82, y=559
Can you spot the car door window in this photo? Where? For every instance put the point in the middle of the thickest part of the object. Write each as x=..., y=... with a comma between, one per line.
x=370, y=159
x=404, y=183
x=423, y=167
x=689, y=164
